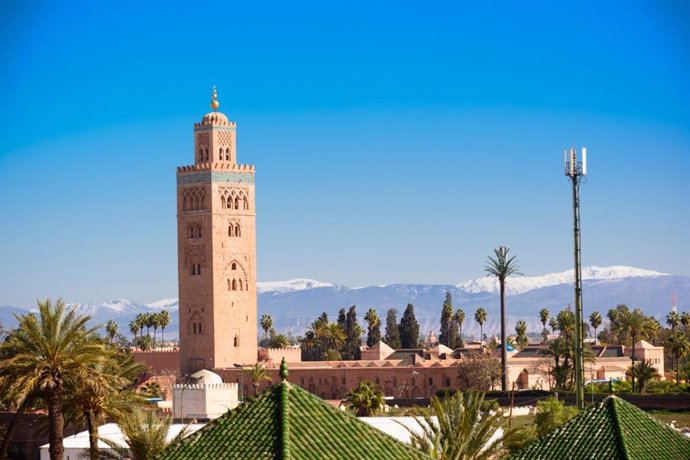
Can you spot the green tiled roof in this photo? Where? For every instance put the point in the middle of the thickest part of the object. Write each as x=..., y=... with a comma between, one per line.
x=612, y=429
x=287, y=422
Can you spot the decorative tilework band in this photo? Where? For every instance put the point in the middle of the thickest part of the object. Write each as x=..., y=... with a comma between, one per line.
x=202, y=177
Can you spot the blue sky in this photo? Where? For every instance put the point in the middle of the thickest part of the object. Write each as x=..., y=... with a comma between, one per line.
x=394, y=142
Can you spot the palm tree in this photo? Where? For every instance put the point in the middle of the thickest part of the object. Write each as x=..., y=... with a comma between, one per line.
x=366, y=399
x=145, y=434
x=279, y=341
x=673, y=320
x=637, y=325
x=502, y=267
x=258, y=374
x=155, y=321
x=134, y=329
x=163, y=321
x=45, y=353
x=335, y=336
x=373, y=322
x=141, y=322
x=318, y=329
x=150, y=321
x=685, y=320
x=544, y=317
x=680, y=346
x=459, y=318
x=521, y=331
x=595, y=321
x=644, y=372
x=111, y=330
x=105, y=390
x=266, y=323
x=480, y=317
x=457, y=427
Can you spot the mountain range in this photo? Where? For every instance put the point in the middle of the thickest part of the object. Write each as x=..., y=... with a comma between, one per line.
x=295, y=303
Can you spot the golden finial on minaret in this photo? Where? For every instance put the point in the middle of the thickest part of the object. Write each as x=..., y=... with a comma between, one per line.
x=214, y=100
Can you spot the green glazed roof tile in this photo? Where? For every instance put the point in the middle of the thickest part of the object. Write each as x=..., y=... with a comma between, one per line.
x=287, y=422
x=612, y=429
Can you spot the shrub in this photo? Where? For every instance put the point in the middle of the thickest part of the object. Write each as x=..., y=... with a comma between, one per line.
x=552, y=413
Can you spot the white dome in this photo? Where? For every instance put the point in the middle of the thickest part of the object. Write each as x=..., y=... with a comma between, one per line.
x=214, y=118
x=206, y=377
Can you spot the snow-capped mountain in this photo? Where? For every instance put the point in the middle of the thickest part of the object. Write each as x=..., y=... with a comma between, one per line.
x=522, y=284
x=295, y=303
x=291, y=285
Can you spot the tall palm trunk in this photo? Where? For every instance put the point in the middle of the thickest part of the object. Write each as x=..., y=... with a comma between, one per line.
x=504, y=346
x=92, y=427
x=56, y=424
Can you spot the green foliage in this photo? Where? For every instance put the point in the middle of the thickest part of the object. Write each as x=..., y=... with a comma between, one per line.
x=257, y=373
x=145, y=436
x=643, y=372
x=409, y=328
x=366, y=399
x=462, y=429
x=666, y=387
x=145, y=343
x=544, y=318
x=373, y=327
x=152, y=390
x=595, y=322
x=459, y=320
x=278, y=341
x=521, y=437
x=552, y=413
x=266, y=323
x=480, y=316
x=392, y=332
x=521, y=331
x=353, y=333
x=449, y=327
x=47, y=353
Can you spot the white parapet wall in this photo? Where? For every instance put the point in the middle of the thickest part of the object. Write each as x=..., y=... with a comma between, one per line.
x=204, y=401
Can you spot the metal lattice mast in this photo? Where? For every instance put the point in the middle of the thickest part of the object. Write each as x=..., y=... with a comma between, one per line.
x=576, y=170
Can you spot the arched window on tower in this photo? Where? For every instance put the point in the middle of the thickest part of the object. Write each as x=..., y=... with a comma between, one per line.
x=198, y=231
x=222, y=202
x=231, y=231
x=229, y=285
x=234, y=285
x=236, y=342
x=201, y=155
x=233, y=266
x=241, y=285
x=237, y=203
x=227, y=154
x=220, y=154
x=237, y=230
x=206, y=155
x=246, y=203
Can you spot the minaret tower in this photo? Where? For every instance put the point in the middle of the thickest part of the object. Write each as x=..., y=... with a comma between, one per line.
x=216, y=249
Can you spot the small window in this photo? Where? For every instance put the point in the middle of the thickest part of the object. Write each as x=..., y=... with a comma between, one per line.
x=234, y=285
x=431, y=381
x=237, y=341
x=231, y=231
x=220, y=154
x=199, y=328
x=246, y=203
x=227, y=154
x=198, y=231
x=237, y=230
x=240, y=285
x=237, y=203
x=233, y=266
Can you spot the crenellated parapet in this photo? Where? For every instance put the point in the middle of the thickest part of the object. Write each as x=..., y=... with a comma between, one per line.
x=215, y=167
x=205, y=386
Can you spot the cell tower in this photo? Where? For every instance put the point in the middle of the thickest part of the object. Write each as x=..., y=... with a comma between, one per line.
x=576, y=170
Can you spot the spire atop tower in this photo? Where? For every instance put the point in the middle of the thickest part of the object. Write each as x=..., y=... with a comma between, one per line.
x=214, y=99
